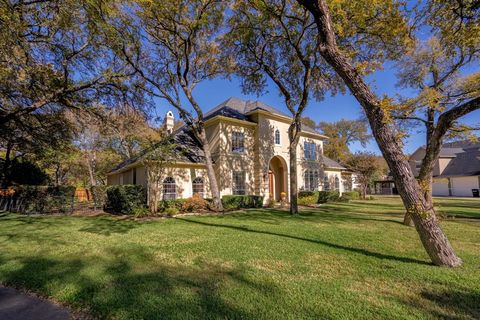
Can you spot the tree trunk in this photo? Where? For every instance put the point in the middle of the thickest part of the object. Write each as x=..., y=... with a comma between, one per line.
x=6, y=177
x=293, y=178
x=433, y=239
x=217, y=201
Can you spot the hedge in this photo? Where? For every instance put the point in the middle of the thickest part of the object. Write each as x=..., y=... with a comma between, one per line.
x=351, y=195
x=307, y=198
x=38, y=199
x=126, y=199
x=242, y=201
x=328, y=196
x=163, y=205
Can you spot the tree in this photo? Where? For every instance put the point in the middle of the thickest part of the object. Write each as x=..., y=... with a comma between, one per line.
x=435, y=70
x=367, y=167
x=53, y=57
x=433, y=239
x=341, y=135
x=172, y=47
x=276, y=40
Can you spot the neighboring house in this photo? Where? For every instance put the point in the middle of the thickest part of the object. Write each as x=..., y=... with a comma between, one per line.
x=457, y=170
x=249, y=142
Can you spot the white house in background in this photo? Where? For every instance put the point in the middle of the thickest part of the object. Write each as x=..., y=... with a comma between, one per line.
x=249, y=142
x=457, y=170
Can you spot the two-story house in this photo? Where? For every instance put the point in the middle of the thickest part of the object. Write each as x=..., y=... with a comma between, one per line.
x=249, y=143
x=457, y=170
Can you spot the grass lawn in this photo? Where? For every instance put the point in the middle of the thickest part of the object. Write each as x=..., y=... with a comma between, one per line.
x=342, y=261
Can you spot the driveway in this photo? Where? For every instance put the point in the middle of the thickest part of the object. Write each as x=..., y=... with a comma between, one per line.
x=15, y=305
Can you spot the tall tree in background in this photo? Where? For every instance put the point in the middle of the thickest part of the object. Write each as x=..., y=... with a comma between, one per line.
x=341, y=135
x=367, y=166
x=52, y=57
x=435, y=69
x=172, y=46
x=276, y=41
x=333, y=49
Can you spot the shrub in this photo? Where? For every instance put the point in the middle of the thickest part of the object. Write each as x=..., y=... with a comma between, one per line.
x=172, y=203
x=307, y=198
x=126, y=198
x=328, y=196
x=39, y=199
x=195, y=204
x=171, y=211
x=352, y=195
x=242, y=201
x=99, y=195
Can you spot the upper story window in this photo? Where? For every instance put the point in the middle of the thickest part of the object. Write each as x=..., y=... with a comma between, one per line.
x=238, y=179
x=310, y=150
x=169, y=188
x=277, y=136
x=238, y=142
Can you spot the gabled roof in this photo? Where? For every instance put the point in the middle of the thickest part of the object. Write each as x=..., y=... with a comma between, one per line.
x=466, y=163
x=186, y=150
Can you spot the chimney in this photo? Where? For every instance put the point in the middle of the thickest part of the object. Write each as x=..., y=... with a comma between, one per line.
x=169, y=122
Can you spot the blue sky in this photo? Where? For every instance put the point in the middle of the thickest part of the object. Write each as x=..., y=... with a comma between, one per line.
x=211, y=93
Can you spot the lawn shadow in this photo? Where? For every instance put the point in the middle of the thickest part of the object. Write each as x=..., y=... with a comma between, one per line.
x=316, y=241
x=118, y=289
x=109, y=226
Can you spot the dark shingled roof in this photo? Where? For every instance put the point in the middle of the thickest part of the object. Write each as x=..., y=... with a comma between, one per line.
x=329, y=163
x=466, y=163
x=239, y=109
x=187, y=149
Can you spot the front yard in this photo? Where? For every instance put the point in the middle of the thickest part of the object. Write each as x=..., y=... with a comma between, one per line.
x=350, y=261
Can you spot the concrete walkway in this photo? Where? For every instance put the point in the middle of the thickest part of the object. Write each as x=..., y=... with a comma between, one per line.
x=15, y=305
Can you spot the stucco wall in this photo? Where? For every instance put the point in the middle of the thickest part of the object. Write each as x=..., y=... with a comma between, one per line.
x=462, y=186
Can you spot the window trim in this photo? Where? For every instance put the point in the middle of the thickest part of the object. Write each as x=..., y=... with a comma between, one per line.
x=235, y=188
x=276, y=137
x=238, y=142
x=311, y=180
x=169, y=184
x=196, y=184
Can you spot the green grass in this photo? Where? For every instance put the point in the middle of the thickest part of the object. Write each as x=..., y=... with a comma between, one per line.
x=344, y=261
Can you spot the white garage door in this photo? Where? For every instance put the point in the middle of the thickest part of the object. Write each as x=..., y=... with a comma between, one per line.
x=462, y=186
x=440, y=187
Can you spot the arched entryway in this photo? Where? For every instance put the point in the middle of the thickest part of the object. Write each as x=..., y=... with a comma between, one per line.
x=277, y=177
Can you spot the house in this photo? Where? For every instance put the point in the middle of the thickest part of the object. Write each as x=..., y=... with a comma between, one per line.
x=249, y=143
x=456, y=171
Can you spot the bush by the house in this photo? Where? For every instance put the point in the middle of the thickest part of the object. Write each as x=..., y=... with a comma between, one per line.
x=241, y=202
x=195, y=204
x=99, y=195
x=307, y=198
x=351, y=195
x=163, y=205
x=38, y=199
x=328, y=196
x=126, y=199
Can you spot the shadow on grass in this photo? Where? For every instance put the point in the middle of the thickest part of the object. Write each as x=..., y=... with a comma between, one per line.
x=316, y=241
x=448, y=304
x=117, y=289
x=108, y=226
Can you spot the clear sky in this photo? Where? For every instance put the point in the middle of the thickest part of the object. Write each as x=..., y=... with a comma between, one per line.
x=211, y=93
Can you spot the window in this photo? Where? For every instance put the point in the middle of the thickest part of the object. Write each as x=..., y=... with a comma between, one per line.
x=311, y=180
x=337, y=183
x=310, y=150
x=197, y=186
x=169, y=188
x=238, y=178
x=326, y=183
x=277, y=136
x=238, y=142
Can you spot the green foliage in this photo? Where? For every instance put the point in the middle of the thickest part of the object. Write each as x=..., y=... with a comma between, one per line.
x=125, y=199
x=171, y=211
x=99, y=194
x=163, y=205
x=307, y=198
x=24, y=172
x=328, y=196
x=234, y=202
x=351, y=195
x=41, y=199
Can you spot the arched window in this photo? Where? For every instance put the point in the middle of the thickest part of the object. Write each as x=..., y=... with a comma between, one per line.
x=337, y=183
x=326, y=183
x=197, y=186
x=277, y=136
x=311, y=180
x=169, y=188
